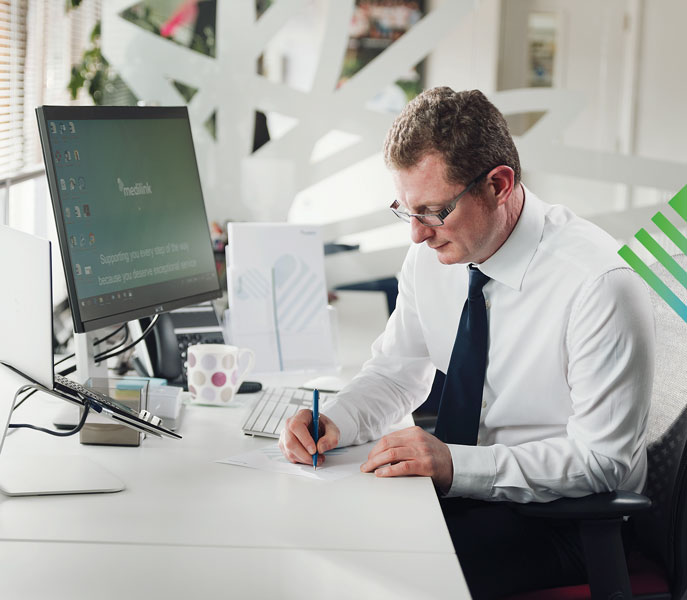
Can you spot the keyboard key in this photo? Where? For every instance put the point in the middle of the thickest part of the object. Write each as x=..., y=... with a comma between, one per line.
x=257, y=409
x=276, y=418
x=265, y=416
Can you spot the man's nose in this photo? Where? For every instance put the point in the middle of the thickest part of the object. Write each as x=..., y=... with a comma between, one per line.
x=419, y=232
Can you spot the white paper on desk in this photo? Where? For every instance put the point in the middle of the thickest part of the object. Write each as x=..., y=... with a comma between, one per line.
x=339, y=463
x=278, y=296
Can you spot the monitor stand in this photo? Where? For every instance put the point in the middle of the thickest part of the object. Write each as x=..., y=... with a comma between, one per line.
x=68, y=415
x=30, y=475
x=84, y=348
x=49, y=475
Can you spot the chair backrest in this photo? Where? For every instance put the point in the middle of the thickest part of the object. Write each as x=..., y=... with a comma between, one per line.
x=663, y=531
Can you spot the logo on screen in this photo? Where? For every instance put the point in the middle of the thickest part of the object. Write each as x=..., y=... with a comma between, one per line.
x=138, y=189
x=679, y=204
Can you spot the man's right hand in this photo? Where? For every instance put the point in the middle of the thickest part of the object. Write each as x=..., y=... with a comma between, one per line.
x=296, y=441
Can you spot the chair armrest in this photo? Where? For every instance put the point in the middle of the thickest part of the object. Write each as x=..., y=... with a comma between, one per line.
x=609, y=505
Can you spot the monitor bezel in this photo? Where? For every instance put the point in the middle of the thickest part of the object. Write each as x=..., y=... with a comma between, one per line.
x=47, y=113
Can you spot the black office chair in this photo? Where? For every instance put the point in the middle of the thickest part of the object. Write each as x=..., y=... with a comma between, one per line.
x=656, y=567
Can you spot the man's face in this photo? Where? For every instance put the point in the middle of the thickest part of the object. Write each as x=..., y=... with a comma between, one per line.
x=468, y=232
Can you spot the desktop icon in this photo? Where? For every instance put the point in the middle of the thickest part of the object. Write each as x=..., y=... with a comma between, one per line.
x=72, y=183
x=63, y=185
x=67, y=155
x=72, y=129
x=88, y=270
x=58, y=156
x=76, y=155
x=53, y=127
x=82, y=184
x=63, y=128
x=77, y=269
x=77, y=211
x=82, y=241
x=72, y=241
x=91, y=239
x=86, y=210
x=67, y=213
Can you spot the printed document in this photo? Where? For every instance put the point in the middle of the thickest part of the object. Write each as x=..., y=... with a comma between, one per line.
x=339, y=462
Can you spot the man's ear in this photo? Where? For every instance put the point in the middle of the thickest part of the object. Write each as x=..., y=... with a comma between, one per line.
x=501, y=179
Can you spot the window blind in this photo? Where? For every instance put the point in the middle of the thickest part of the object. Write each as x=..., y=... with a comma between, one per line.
x=39, y=42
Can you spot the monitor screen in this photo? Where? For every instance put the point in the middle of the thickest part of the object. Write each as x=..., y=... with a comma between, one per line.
x=129, y=211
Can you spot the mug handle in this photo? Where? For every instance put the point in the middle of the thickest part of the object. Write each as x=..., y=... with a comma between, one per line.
x=250, y=364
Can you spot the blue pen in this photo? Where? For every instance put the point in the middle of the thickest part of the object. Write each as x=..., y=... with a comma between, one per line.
x=315, y=422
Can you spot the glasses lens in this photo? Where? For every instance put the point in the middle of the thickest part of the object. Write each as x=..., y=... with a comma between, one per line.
x=430, y=220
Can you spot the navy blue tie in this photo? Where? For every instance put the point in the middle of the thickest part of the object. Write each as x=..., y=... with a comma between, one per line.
x=461, y=398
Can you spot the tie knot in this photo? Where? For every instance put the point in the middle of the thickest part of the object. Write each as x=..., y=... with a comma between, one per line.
x=477, y=281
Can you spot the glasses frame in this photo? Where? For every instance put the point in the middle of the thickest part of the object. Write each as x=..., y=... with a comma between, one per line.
x=442, y=214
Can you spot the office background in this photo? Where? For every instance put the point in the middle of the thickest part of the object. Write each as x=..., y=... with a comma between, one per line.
x=593, y=91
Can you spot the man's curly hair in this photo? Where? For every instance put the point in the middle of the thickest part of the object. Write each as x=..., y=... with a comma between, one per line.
x=466, y=129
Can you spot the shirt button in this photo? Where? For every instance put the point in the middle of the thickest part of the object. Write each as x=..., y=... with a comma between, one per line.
x=484, y=403
x=487, y=304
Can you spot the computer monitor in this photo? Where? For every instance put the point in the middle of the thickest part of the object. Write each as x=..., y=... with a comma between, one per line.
x=129, y=210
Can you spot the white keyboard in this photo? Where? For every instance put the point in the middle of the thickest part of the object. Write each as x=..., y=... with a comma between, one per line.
x=274, y=406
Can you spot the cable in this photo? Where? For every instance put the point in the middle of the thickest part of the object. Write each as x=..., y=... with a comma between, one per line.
x=104, y=356
x=112, y=334
x=79, y=426
x=68, y=370
x=100, y=341
x=25, y=398
x=113, y=349
x=59, y=362
x=118, y=349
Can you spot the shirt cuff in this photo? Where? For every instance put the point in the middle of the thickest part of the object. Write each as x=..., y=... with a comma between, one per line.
x=348, y=428
x=474, y=471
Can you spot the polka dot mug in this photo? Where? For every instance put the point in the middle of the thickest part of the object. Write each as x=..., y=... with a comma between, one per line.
x=215, y=372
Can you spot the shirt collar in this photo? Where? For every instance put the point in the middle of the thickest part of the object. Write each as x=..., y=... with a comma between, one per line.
x=509, y=263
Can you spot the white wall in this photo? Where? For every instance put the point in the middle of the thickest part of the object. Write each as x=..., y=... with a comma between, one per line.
x=589, y=57
x=631, y=105
x=467, y=58
x=661, y=130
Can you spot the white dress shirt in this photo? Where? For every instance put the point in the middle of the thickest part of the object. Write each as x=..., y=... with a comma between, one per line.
x=569, y=367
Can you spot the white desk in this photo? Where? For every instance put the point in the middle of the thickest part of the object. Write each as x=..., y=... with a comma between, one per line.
x=35, y=570
x=189, y=527
x=187, y=523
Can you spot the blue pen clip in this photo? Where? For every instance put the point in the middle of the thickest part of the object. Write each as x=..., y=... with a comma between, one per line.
x=316, y=422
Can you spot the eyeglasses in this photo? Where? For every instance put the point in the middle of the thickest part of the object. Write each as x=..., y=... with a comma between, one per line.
x=434, y=219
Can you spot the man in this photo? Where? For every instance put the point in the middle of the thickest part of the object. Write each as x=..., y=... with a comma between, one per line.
x=545, y=335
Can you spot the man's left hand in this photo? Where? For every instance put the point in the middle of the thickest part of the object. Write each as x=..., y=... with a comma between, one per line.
x=412, y=451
